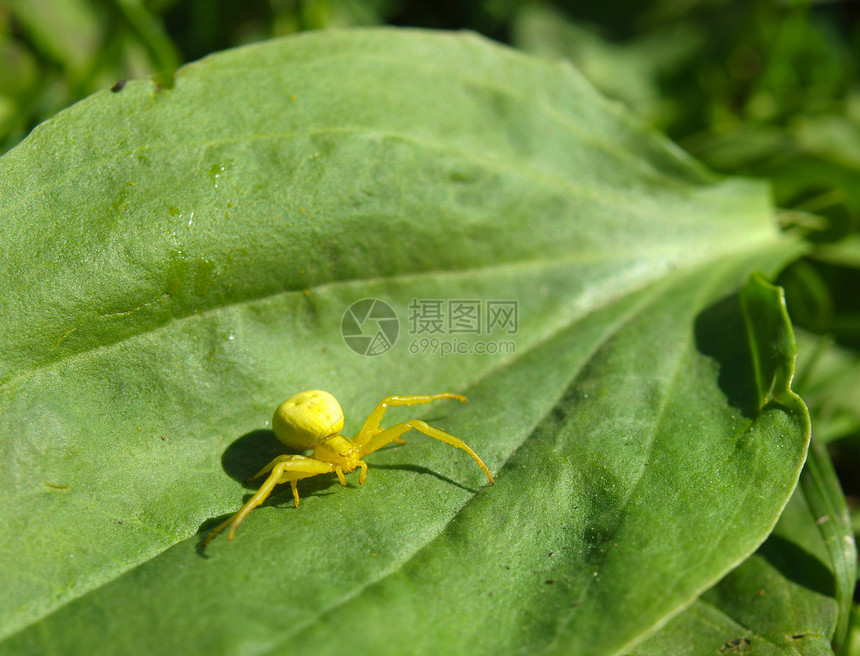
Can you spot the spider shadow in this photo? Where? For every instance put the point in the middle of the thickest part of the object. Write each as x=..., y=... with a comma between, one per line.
x=250, y=453
x=246, y=456
x=418, y=469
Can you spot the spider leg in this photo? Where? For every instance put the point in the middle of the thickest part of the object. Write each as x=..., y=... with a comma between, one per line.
x=371, y=425
x=284, y=469
x=269, y=467
x=391, y=434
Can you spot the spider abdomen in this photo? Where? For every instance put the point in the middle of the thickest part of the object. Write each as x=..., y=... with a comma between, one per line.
x=307, y=418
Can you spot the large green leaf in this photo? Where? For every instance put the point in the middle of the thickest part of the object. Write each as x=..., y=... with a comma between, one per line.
x=178, y=257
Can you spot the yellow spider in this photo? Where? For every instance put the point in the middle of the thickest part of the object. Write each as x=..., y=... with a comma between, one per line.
x=313, y=420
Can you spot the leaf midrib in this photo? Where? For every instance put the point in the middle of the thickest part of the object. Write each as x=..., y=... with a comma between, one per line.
x=713, y=255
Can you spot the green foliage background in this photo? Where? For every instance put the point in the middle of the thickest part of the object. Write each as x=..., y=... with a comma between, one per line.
x=766, y=90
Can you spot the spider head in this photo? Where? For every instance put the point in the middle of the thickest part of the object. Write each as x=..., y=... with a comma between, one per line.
x=338, y=450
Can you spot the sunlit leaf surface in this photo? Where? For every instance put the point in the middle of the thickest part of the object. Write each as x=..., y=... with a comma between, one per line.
x=178, y=258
